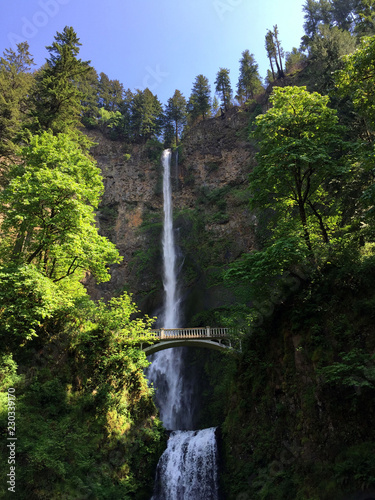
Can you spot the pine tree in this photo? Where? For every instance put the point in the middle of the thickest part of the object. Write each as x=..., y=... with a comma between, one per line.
x=215, y=106
x=270, y=48
x=279, y=51
x=275, y=51
x=15, y=83
x=223, y=87
x=199, y=104
x=146, y=115
x=57, y=98
x=110, y=93
x=175, y=113
x=88, y=86
x=249, y=82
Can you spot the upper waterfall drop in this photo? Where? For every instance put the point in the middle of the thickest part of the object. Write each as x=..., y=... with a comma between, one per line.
x=173, y=397
x=171, y=312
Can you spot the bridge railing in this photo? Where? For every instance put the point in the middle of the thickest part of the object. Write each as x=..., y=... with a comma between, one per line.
x=182, y=333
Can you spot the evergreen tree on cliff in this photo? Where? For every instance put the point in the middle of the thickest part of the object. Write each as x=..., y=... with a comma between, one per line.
x=146, y=115
x=175, y=112
x=57, y=98
x=199, y=104
x=111, y=93
x=15, y=83
x=249, y=82
x=223, y=87
x=275, y=52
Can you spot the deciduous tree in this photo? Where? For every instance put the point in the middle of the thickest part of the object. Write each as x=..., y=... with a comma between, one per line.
x=47, y=210
x=299, y=137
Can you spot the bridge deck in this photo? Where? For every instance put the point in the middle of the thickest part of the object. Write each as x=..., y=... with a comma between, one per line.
x=217, y=338
x=185, y=333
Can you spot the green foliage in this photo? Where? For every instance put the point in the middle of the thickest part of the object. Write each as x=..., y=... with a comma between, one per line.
x=15, y=84
x=357, y=462
x=8, y=376
x=154, y=149
x=365, y=11
x=259, y=270
x=356, y=369
x=275, y=52
x=327, y=49
x=109, y=119
x=48, y=210
x=146, y=115
x=27, y=300
x=57, y=98
x=299, y=144
x=294, y=60
x=223, y=87
x=176, y=114
x=348, y=15
x=357, y=77
x=110, y=93
x=199, y=103
x=249, y=82
x=97, y=436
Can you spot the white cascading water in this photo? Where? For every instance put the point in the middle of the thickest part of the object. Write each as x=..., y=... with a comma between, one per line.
x=165, y=370
x=187, y=470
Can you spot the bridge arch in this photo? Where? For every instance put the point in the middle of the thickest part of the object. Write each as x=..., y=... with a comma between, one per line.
x=208, y=337
x=168, y=344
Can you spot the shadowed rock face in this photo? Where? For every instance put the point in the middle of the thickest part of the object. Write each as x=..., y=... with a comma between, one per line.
x=213, y=225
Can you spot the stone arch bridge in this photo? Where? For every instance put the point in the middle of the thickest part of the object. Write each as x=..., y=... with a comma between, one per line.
x=209, y=337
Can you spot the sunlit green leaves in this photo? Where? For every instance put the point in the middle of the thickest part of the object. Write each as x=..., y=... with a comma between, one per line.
x=356, y=79
x=27, y=299
x=300, y=146
x=48, y=210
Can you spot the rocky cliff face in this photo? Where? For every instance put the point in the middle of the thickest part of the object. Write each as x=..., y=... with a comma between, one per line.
x=212, y=221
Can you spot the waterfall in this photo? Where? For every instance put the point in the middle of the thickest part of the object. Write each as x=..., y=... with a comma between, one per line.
x=171, y=310
x=187, y=469
x=166, y=368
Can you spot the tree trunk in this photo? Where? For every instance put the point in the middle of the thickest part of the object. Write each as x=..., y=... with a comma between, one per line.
x=273, y=72
x=176, y=123
x=302, y=214
x=279, y=70
x=321, y=223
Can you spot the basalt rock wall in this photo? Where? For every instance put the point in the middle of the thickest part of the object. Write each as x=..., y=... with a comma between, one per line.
x=213, y=224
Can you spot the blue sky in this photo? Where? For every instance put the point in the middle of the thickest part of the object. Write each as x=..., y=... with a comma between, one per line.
x=160, y=44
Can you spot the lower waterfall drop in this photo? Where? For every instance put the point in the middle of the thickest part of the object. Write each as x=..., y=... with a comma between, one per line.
x=187, y=470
